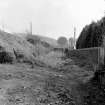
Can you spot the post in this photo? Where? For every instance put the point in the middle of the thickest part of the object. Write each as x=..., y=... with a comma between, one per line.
x=30, y=28
x=103, y=51
x=98, y=55
x=74, y=37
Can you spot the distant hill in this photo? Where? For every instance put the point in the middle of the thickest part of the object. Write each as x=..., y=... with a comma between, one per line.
x=51, y=41
x=92, y=35
x=48, y=40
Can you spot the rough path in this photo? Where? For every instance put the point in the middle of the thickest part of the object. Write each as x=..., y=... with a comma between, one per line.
x=22, y=85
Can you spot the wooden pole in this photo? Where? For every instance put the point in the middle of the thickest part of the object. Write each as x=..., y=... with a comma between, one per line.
x=31, y=28
x=74, y=37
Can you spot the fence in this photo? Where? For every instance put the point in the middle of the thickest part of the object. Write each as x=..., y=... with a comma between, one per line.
x=94, y=56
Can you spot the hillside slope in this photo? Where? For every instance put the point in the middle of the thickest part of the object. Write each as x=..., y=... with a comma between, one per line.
x=48, y=40
x=17, y=47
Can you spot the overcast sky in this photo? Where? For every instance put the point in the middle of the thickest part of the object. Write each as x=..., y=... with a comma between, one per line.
x=51, y=18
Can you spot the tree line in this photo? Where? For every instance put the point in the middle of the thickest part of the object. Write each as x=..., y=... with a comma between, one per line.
x=92, y=35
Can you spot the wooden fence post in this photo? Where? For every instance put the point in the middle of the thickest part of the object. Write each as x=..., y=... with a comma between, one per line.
x=101, y=55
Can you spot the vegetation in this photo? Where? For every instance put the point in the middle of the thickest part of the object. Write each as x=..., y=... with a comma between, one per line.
x=92, y=35
x=62, y=41
x=6, y=57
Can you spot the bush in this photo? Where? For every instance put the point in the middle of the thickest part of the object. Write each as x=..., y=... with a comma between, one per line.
x=6, y=57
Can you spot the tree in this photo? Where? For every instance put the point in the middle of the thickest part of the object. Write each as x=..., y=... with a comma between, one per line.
x=62, y=41
x=92, y=35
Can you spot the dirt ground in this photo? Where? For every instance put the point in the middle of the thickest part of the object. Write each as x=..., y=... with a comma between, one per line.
x=53, y=84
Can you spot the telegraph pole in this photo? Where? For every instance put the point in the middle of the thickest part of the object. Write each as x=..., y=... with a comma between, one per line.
x=2, y=25
x=30, y=28
x=74, y=37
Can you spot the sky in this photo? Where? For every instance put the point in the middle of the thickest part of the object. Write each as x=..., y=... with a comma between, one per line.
x=52, y=18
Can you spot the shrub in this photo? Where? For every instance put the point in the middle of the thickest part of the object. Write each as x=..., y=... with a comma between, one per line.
x=6, y=57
